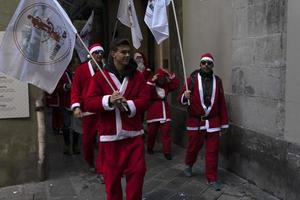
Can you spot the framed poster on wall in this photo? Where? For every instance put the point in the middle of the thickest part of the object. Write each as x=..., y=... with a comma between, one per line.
x=14, y=98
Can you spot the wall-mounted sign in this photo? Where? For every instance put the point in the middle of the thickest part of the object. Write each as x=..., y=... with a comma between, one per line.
x=14, y=99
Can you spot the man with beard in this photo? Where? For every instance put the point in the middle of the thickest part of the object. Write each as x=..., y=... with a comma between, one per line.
x=120, y=126
x=81, y=82
x=207, y=117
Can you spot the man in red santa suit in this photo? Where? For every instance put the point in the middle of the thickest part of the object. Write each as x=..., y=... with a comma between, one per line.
x=158, y=114
x=81, y=82
x=120, y=125
x=207, y=117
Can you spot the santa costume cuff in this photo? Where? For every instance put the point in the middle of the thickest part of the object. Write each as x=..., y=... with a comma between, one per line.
x=105, y=103
x=132, y=108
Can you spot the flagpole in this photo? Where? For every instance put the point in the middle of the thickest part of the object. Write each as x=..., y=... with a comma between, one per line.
x=115, y=30
x=100, y=69
x=180, y=47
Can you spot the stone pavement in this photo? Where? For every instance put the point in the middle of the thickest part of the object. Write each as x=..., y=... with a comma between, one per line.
x=69, y=179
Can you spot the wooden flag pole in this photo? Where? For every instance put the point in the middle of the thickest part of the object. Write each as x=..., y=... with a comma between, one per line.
x=115, y=30
x=180, y=47
x=100, y=69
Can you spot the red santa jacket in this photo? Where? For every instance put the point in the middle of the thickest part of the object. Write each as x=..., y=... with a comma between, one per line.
x=64, y=90
x=200, y=117
x=81, y=81
x=114, y=124
x=159, y=110
x=147, y=73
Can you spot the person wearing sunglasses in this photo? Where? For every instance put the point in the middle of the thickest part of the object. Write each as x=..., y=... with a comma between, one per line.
x=81, y=81
x=207, y=118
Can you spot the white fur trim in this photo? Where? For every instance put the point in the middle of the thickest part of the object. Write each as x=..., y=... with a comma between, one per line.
x=84, y=114
x=225, y=126
x=121, y=86
x=132, y=108
x=161, y=120
x=92, y=72
x=122, y=135
x=209, y=130
x=150, y=83
x=105, y=103
x=75, y=105
x=212, y=100
x=160, y=92
x=183, y=102
x=96, y=48
x=207, y=58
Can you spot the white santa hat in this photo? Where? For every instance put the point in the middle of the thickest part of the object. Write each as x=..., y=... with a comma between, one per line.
x=207, y=57
x=95, y=47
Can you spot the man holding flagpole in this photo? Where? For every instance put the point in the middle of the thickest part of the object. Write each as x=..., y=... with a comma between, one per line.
x=120, y=130
x=81, y=81
x=38, y=43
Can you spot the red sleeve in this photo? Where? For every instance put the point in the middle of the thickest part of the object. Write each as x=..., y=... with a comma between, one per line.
x=76, y=89
x=173, y=84
x=183, y=89
x=142, y=101
x=95, y=94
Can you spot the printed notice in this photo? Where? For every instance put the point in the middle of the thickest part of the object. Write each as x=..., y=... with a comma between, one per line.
x=14, y=99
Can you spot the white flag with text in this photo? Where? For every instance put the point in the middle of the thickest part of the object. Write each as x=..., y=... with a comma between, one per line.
x=38, y=43
x=157, y=20
x=85, y=35
x=127, y=16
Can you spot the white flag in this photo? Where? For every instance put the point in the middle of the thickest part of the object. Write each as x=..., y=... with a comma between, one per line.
x=127, y=16
x=38, y=43
x=157, y=20
x=85, y=35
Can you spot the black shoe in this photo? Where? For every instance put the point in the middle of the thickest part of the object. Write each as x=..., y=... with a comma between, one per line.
x=168, y=156
x=150, y=151
x=66, y=150
x=215, y=185
x=100, y=178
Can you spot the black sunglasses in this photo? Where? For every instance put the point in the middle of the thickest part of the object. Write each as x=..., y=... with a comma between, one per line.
x=99, y=52
x=203, y=62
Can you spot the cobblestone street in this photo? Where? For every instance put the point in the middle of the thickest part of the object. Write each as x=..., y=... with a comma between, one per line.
x=69, y=179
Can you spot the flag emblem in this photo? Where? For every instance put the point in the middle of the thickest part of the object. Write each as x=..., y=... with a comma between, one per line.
x=38, y=38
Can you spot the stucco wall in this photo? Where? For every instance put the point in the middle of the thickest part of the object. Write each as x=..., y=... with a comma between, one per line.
x=249, y=41
x=292, y=97
x=18, y=137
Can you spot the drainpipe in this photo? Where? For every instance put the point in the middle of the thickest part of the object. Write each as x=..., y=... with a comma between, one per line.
x=39, y=108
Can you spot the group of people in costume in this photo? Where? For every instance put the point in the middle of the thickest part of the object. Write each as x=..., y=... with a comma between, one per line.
x=113, y=101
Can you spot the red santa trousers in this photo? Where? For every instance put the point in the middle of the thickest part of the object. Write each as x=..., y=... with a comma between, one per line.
x=195, y=143
x=124, y=157
x=89, y=134
x=164, y=133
